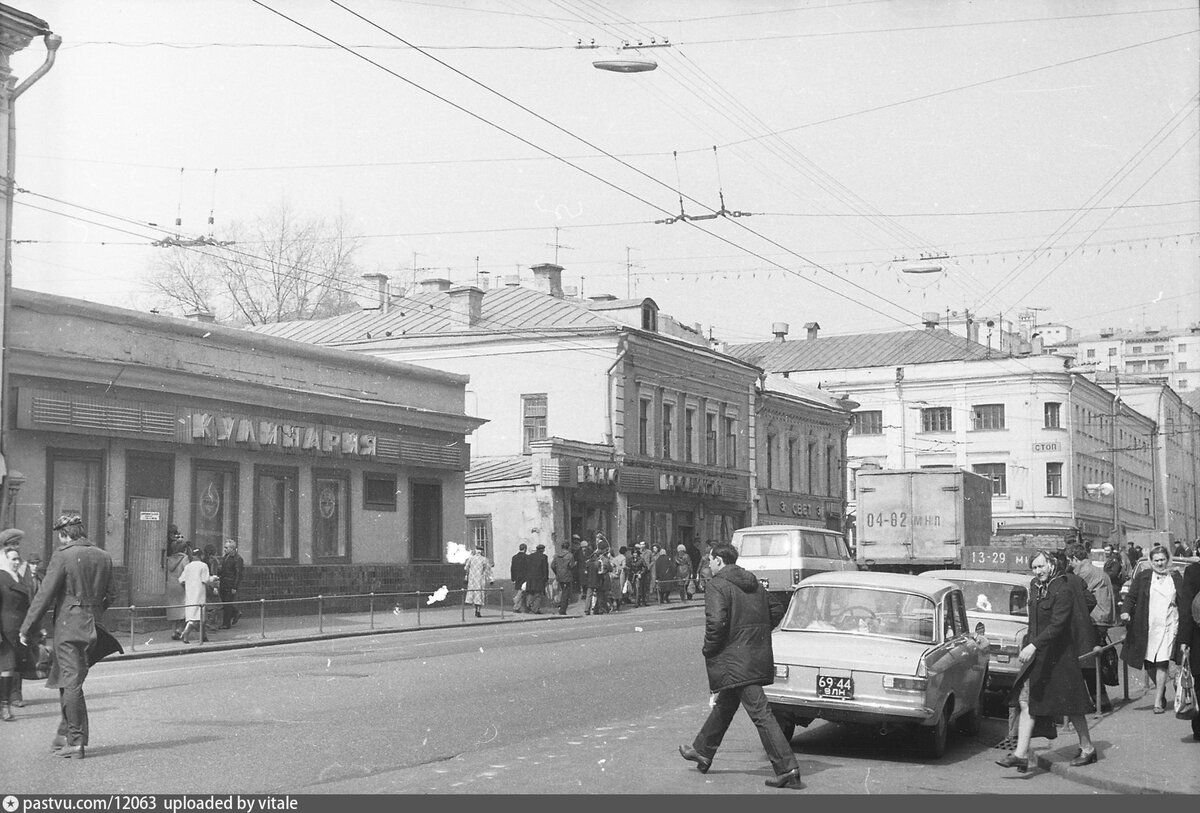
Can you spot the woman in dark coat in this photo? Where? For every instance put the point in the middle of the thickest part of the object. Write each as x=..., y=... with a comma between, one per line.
x=1153, y=613
x=15, y=596
x=1051, y=682
x=1190, y=630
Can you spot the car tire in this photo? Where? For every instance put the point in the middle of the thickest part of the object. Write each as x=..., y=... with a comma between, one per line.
x=934, y=737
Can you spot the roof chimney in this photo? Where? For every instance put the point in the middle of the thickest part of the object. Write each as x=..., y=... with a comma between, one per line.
x=435, y=285
x=382, y=281
x=811, y=328
x=547, y=278
x=200, y=316
x=930, y=319
x=466, y=305
x=780, y=329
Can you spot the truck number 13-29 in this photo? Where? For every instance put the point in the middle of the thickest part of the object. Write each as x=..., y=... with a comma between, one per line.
x=896, y=519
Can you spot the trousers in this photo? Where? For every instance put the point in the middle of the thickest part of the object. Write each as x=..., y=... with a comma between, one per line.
x=754, y=701
x=72, y=666
x=564, y=596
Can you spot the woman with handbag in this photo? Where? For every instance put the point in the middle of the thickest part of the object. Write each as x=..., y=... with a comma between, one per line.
x=195, y=580
x=15, y=597
x=1151, y=612
x=1050, y=683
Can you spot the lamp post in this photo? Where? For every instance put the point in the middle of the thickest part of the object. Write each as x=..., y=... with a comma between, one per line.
x=17, y=30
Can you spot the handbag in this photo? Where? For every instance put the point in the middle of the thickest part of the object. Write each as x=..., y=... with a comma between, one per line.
x=1044, y=727
x=1185, y=690
x=37, y=661
x=1109, y=664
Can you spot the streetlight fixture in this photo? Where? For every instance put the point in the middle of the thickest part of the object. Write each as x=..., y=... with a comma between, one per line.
x=1095, y=490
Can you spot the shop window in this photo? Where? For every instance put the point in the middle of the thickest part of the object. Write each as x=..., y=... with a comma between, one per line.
x=867, y=422
x=479, y=529
x=214, y=503
x=937, y=419
x=1051, y=412
x=997, y=474
x=533, y=419
x=331, y=515
x=379, y=491
x=987, y=416
x=276, y=513
x=76, y=486
x=1054, y=479
x=425, y=508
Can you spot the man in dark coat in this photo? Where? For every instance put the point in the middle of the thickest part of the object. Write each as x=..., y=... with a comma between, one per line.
x=230, y=572
x=80, y=586
x=537, y=576
x=564, y=571
x=516, y=572
x=738, y=618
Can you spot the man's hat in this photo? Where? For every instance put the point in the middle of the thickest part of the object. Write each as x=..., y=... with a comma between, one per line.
x=66, y=521
x=11, y=536
x=682, y=548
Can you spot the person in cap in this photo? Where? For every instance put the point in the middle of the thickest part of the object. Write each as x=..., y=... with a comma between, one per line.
x=683, y=572
x=15, y=595
x=479, y=576
x=517, y=568
x=537, y=577
x=80, y=587
x=563, y=566
x=27, y=574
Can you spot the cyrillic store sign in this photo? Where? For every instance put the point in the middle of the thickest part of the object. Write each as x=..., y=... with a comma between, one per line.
x=214, y=429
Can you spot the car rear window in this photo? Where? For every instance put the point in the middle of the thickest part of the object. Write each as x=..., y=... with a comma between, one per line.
x=993, y=597
x=861, y=610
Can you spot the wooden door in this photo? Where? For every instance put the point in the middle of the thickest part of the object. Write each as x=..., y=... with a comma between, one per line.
x=147, y=551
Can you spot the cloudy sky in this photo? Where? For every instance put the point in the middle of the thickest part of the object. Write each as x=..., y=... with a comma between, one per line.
x=1046, y=152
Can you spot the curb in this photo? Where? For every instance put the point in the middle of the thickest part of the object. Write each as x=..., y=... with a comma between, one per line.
x=1099, y=781
x=300, y=639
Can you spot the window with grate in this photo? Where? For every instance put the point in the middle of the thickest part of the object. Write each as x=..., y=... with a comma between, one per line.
x=996, y=473
x=1052, y=412
x=479, y=527
x=379, y=491
x=867, y=422
x=937, y=419
x=533, y=419
x=1054, y=483
x=987, y=416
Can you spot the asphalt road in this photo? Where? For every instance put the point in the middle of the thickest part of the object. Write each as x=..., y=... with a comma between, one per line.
x=568, y=705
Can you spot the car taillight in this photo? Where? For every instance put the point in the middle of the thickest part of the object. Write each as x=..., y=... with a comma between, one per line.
x=903, y=683
x=781, y=670
x=795, y=575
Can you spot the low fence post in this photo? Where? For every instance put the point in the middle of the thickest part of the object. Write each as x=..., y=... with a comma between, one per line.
x=1099, y=685
x=418, y=606
x=262, y=617
x=464, y=606
x=132, y=645
x=320, y=615
x=502, y=602
x=371, y=607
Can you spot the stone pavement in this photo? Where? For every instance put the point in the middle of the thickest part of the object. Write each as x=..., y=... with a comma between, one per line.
x=1139, y=752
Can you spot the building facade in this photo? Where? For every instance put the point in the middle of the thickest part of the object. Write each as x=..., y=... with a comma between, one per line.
x=1151, y=355
x=337, y=473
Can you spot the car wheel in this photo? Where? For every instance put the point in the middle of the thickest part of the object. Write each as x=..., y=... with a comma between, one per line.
x=934, y=736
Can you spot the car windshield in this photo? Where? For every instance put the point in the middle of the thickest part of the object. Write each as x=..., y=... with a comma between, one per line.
x=861, y=610
x=992, y=597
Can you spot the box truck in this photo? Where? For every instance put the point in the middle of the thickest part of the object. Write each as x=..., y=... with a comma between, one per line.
x=911, y=520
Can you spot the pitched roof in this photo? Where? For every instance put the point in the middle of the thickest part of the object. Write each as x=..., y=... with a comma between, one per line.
x=775, y=382
x=860, y=350
x=492, y=469
x=512, y=308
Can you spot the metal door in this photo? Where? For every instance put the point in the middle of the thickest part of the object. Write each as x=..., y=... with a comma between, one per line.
x=148, y=519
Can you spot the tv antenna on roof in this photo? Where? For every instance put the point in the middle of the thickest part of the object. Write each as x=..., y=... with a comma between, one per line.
x=557, y=245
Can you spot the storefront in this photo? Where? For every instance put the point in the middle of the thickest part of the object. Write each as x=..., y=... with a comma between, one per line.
x=334, y=471
x=788, y=508
x=671, y=509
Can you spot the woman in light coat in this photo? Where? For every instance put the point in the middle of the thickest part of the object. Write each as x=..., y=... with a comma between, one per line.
x=195, y=579
x=479, y=576
x=1151, y=615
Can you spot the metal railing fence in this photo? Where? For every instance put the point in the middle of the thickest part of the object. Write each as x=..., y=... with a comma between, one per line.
x=363, y=612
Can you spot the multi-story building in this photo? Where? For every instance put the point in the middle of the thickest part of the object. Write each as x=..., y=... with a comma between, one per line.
x=1041, y=433
x=1151, y=355
x=603, y=415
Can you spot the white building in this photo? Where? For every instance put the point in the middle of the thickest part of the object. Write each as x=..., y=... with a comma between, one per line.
x=1152, y=355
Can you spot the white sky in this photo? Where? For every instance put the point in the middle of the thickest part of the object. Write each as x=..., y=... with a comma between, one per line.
x=1050, y=148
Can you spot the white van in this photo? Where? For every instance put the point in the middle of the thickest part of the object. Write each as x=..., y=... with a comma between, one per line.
x=782, y=555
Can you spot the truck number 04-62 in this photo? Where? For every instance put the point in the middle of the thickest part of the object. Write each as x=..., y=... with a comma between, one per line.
x=896, y=519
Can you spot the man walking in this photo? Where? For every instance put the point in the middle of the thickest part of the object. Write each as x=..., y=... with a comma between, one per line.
x=516, y=572
x=230, y=572
x=537, y=576
x=564, y=571
x=738, y=618
x=1103, y=614
x=79, y=584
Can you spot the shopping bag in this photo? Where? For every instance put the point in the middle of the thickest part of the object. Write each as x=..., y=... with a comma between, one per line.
x=1185, y=691
x=1109, y=665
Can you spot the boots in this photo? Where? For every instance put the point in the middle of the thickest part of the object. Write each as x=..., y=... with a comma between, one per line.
x=15, y=697
x=6, y=714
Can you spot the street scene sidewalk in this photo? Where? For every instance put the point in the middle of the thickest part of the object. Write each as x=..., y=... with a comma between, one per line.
x=1140, y=752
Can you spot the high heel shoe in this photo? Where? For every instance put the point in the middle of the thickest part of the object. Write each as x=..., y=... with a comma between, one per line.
x=1084, y=758
x=1014, y=761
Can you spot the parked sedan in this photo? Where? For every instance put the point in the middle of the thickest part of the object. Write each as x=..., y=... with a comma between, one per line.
x=883, y=649
x=998, y=600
